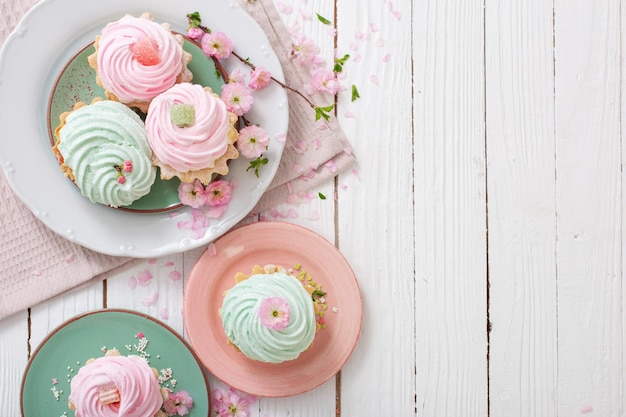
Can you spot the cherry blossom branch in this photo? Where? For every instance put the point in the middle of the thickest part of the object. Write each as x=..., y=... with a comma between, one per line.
x=282, y=84
x=219, y=48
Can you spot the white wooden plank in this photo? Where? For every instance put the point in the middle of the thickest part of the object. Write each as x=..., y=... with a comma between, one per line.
x=151, y=286
x=47, y=316
x=13, y=359
x=375, y=207
x=522, y=208
x=623, y=190
x=589, y=207
x=450, y=219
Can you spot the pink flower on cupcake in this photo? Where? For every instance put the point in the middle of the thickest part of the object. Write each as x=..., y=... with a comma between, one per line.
x=274, y=313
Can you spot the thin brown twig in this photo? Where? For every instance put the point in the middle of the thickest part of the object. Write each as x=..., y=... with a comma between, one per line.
x=282, y=84
x=251, y=65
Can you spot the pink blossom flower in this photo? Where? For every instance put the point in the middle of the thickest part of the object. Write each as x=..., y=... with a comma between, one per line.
x=177, y=403
x=238, y=98
x=274, y=313
x=217, y=44
x=325, y=81
x=232, y=403
x=304, y=51
x=259, y=78
x=128, y=166
x=195, y=33
x=192, y=193
x=236, y=76
x=253, y=141
x=218, y=193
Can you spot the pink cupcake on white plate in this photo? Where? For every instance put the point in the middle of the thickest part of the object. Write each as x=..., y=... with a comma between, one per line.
x=136, y=59
x=191, y=133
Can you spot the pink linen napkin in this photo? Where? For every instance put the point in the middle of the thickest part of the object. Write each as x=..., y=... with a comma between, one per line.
x=37, y=264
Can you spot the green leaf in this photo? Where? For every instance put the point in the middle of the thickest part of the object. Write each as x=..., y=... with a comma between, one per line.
x=355, y=93
x=339, y=63
x=343, y=59
x=323, y=19
x=322, y=112
x=256, y=164
x=194, y=19
x=321, y=196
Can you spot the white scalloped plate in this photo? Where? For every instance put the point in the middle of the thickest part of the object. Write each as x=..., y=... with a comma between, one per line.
x=30, y=61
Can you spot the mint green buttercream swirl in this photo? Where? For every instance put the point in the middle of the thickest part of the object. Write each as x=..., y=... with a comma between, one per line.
x=243, y=326
x=95, y=141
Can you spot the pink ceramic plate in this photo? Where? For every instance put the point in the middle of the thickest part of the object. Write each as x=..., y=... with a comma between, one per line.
x=282, y=244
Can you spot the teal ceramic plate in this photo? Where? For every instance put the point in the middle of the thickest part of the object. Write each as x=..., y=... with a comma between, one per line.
x=77, y=82
x=46, y=387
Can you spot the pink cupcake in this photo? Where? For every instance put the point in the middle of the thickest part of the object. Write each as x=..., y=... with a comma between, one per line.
x=136, y=59
x=191, y=133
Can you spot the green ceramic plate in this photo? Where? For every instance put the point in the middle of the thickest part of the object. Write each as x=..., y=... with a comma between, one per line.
x=77, y=82
x=62, y=353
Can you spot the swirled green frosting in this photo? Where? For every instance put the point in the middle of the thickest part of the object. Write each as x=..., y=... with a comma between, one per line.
x=243, y=325
x=96, y=141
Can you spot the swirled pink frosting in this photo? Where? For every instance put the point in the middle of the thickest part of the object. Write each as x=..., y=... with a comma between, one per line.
x=120, y=70
x=135, y=381
x=194, y=147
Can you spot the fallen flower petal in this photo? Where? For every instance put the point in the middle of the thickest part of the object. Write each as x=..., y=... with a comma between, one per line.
x=144, y=278
x=151, y=300
x=175, y=276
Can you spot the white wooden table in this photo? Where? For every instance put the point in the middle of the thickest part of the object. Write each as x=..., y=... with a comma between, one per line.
x=485, y=222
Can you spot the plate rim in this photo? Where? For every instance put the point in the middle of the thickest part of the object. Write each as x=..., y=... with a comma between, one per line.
x=106, y=310
x=164, y=237
x=194, y=275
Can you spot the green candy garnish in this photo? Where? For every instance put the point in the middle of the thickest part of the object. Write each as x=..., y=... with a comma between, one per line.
x=183, y=115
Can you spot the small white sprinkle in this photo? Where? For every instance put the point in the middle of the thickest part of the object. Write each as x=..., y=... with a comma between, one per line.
x=335, y=309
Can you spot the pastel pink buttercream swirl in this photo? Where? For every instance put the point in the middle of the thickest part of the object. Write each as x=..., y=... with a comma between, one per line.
x=138, y=388
x=122, y=74
x=193, y=147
